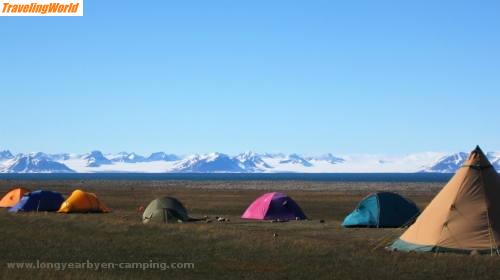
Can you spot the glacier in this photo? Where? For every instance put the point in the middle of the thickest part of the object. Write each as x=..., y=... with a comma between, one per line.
x=247, y=162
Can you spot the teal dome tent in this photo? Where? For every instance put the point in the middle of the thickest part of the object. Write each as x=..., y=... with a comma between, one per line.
x=382, y=209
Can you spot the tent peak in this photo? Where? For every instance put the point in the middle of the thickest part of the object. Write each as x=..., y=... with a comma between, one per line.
x=463, y=217
x=477, y=158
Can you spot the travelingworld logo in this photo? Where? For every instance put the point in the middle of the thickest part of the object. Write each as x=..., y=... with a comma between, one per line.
x=41, y=8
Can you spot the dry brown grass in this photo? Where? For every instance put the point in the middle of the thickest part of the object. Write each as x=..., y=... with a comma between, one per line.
x=235, y=250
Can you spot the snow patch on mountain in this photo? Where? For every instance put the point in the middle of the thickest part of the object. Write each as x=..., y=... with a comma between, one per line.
x=127, y=157
x=326, y=157
x=296, y=159
x=95, y=159
x=210, y=163
x=34, y=163
x=361, y=163
x=494, y=157
x=448, y=164
x=161, y=156
x=5, y=155
x=252, y=162
x=451, y=163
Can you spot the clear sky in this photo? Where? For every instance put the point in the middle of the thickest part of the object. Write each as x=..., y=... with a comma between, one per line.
x=230, y=76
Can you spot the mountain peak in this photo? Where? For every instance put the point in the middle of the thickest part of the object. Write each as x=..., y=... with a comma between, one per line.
x=161, y=156
x=209, y=163
x=448, y=164
x=252, y=162
x=6, y=154
x=296, y=159
x=36, y=163
x=96, y=159
x=127, y=157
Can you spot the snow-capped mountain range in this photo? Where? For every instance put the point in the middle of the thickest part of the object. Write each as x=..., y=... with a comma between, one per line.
x=34, y=163
x=249, y=162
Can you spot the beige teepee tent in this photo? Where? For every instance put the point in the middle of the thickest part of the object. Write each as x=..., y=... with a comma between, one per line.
x=463, y=217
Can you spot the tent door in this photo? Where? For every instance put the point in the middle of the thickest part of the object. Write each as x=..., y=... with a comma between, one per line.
x=168, y=217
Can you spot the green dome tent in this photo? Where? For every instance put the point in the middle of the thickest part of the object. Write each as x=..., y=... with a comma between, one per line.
x=165, y=210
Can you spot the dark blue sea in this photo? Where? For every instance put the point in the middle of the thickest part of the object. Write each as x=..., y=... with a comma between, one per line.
x=318, y=177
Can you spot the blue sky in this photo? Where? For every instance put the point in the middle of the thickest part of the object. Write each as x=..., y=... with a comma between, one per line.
x=230, y=76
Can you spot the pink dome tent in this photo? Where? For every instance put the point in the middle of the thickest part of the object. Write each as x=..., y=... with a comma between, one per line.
x=272, y=206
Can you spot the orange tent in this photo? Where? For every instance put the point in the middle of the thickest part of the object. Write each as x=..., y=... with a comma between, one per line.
x=12, y=197
x=83, y=202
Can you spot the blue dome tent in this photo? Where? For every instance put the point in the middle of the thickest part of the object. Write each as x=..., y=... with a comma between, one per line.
x=39, y=201
x=382, y=209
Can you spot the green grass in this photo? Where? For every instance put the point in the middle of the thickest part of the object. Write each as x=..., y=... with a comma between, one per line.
x=234, y=250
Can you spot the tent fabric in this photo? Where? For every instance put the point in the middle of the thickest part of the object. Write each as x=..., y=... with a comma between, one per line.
x=382, y=209
x=165, y=210
x=12, y=197
x=366, y=214
x=272, y=206
x=464, y=216
x=83, y=202
x=39, y=201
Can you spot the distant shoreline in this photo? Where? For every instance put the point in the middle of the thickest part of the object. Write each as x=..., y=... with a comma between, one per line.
x=314, y=177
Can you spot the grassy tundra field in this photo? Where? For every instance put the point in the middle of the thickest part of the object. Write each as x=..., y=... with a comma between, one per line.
x=231, y=250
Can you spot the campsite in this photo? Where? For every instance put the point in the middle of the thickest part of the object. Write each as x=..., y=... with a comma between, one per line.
x=250, y=139
x=318, y=247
